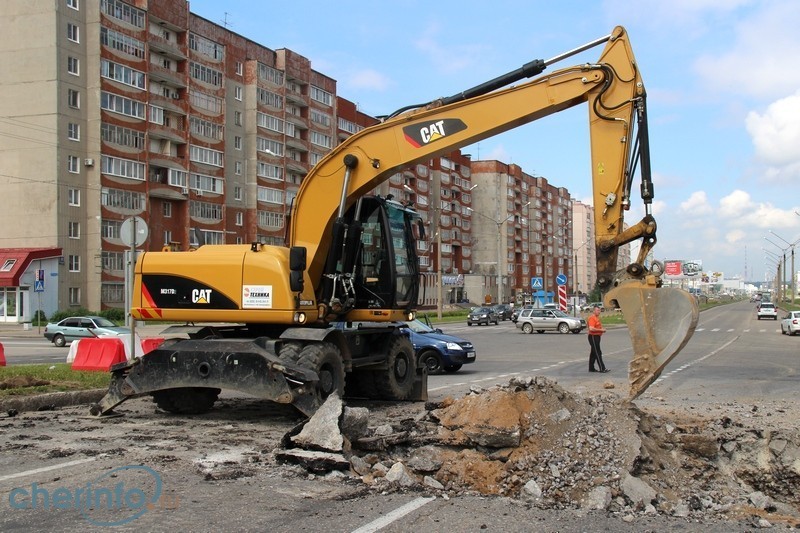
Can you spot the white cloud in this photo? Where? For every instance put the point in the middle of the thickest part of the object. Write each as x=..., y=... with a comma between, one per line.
x=445, y=57
x=696, y=205
x=737, y=235
x=368, y=79
x=776, y=137
x=735, y=205
x=767, y=41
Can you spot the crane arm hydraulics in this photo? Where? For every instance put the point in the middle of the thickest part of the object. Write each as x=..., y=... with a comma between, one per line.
x=660, y=320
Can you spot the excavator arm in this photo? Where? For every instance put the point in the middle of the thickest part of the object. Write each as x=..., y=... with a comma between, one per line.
x=660, y=320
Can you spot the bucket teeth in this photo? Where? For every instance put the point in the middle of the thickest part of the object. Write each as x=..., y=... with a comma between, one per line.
x=660, y=320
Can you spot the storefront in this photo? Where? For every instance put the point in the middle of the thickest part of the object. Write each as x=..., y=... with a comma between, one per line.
x=28, y=282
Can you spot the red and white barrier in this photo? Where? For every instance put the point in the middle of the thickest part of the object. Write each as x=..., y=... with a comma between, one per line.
x=2, y=355
x=98, y=354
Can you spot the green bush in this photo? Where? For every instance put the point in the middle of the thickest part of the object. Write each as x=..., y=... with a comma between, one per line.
x=115, y=315
x=39, y=319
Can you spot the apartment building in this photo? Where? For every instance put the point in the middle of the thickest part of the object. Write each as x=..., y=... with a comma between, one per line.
x=523, y=231
x=114, y=110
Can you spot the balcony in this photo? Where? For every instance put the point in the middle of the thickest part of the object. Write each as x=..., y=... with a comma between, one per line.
x=296, y=99
x=159, y=131
x=298, y=121
x=166, y=76
x=166, y=48
x=298, y=144
x=170, y=103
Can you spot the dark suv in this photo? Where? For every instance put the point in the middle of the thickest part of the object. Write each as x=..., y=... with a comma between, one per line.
x=503, y=311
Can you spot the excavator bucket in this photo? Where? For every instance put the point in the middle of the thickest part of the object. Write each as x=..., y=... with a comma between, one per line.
x=660, y=322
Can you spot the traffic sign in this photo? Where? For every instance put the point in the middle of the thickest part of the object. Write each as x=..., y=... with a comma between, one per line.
x=38, y=285
x=537, y=283
x=561, y=279
x=562, y=297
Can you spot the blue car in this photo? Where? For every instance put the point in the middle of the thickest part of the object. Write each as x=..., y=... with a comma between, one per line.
x=439, y=351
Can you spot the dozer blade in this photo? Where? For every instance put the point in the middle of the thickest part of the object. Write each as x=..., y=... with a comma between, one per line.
x=660, y=322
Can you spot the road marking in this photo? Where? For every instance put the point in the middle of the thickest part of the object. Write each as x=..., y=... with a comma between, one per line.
x=47, y=468
x=398, y=513
x=692, y=363
x=715, y=329
x=700, y=329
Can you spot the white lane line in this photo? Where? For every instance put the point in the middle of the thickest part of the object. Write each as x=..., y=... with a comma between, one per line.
x=692, y=363
x=47, y=468
x=715, y=329
x=397, y=514
x=731, y=330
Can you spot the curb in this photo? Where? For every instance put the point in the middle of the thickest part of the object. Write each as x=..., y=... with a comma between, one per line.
x=52, y=400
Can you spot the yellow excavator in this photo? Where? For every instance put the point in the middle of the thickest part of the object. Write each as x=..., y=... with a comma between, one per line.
x=267, y=320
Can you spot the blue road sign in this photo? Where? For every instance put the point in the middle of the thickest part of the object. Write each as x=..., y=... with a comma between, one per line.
x=561, y=279
x=537, y=283
x=38, y=285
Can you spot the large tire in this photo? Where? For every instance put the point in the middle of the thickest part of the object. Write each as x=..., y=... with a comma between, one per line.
x=325, y=359
x=396, y=382
x=563, y=327
x=186, y=400
x=527, y=328
x=59, y=340
x=432, y=360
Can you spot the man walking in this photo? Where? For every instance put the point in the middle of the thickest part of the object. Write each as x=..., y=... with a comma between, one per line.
x=596, y=330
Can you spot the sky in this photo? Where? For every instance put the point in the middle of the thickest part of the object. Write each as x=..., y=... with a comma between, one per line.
x=722, y=78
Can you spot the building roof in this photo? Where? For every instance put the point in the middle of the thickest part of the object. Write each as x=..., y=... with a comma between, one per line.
x=14, y=262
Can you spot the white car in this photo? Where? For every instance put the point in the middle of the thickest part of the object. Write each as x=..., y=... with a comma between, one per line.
x=767, y=310
x=790, y=325
x=541, y=320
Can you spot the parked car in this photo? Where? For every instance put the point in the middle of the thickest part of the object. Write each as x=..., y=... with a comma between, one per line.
x=81, y=327
x=790, y=325
x=482, y=315
x=589, y=307
x=503, y=311
x=541, y=320
x=439, y=351
x=767, y=310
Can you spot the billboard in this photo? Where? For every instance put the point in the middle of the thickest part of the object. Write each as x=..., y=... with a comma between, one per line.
x=682, y=269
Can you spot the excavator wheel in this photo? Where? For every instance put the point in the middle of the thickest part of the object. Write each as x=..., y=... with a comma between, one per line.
x=396, y=382
x=323, y=358
x=186, y=400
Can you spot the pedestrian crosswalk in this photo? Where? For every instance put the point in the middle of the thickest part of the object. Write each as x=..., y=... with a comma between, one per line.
x=731, y=330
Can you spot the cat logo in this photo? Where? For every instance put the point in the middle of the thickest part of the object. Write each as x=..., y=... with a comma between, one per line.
x=201, y=296
x=419, y=135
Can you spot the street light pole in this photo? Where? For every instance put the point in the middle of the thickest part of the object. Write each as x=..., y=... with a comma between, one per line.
x=791, y=245
x=782, y=292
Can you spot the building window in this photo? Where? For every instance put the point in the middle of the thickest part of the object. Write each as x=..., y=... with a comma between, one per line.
x=156, y=114
x=198, y=154
x=239, y=219
x=120, y=104
x=121, y=42
x=167, y=237
x=109, y=229
x=237, y=168
x=321, y=96
x=205, y=74
x=74, y=197
x=122, y=74
x=237, y=118
x=125, y=168
x=73, y=4
x=112, y=292
x=167, y=210
x=73, y=33
x=113, y=261
x=239, y=68
x=74, y=263
x=271, y=123
x=8, y=265
x=237, y=193
x=237, y=93
x=206, y=128
x=72, y=163
x=206, y=47
x=74, y=66
x=74, y=229
x=122, y=11
x=73, y=98
x=320, y=139
x=73, y=131
x=237, y=142
x=132, y=200
x=74, y=296
x=273, y=196
x=123, y=136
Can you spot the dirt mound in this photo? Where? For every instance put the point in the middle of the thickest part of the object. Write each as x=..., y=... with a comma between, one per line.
x=19, y=382
x=534, y=441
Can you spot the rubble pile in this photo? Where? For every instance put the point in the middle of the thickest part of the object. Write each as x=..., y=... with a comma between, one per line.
x=533, y=441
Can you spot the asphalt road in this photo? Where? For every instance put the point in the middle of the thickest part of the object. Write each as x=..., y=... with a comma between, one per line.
x=731, y=358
